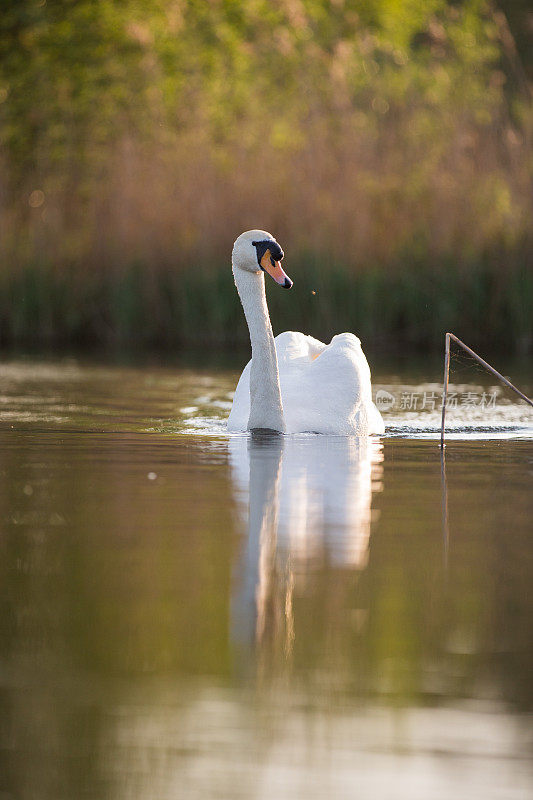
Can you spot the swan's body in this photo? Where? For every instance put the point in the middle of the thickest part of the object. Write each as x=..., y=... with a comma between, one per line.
x=294, y=383
x=324, y=388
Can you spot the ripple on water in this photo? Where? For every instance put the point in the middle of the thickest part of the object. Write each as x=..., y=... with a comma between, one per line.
x=71, y=395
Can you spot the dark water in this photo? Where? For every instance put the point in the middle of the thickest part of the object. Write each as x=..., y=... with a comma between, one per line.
x=186, y=614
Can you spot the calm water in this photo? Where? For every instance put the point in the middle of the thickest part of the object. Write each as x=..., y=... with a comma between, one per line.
x=186, y=614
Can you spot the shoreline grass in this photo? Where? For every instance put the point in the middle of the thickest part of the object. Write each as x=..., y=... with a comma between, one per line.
x=486, y=302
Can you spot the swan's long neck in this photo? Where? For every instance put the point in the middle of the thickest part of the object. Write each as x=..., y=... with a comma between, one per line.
x=266, y=409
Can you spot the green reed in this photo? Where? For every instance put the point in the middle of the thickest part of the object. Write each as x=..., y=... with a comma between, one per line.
x=389, y=305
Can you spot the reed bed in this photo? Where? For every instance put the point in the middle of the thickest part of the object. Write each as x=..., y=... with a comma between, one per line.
x=197, y=307
x=391, y=157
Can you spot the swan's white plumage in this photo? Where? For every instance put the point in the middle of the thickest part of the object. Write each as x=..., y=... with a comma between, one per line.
x=294, y=383
x=324, y=388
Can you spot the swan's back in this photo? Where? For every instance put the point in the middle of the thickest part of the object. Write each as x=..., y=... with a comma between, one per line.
x=324, y=388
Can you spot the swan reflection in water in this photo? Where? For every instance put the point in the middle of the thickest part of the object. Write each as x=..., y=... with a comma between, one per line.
x=306, y=502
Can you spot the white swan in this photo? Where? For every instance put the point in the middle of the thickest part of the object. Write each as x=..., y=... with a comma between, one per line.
x=294, y=383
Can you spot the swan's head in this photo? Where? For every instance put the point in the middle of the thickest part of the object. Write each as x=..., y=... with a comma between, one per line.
x=256, y=251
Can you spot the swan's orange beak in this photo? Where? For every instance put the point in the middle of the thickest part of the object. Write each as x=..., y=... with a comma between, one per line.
x=275, y=269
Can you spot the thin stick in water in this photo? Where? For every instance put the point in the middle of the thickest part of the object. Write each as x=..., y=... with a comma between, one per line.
x=483, y=363
x=445, y=386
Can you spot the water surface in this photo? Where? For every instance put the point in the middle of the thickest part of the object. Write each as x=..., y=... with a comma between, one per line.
x=191, y=614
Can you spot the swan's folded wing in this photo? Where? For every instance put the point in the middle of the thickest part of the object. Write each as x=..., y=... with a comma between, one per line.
x=331, y=394
x=293, y=345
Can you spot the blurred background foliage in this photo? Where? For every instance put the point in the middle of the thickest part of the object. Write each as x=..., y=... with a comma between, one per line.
x=386, y=143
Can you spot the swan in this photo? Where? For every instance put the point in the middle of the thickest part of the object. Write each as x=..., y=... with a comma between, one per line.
x=294, y=383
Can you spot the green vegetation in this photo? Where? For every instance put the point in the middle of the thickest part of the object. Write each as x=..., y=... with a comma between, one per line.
x=385, y=143
x=486, y=305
